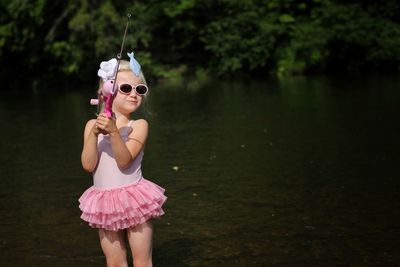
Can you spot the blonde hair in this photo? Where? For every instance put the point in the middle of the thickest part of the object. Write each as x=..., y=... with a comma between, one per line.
x=124, y=66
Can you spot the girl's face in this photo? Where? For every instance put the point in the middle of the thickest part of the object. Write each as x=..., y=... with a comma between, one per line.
x=127, y=103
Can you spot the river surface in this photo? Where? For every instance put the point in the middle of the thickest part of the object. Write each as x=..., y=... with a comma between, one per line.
x=294, y=172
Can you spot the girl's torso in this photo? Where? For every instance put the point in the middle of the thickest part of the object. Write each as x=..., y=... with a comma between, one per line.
x=107, y=175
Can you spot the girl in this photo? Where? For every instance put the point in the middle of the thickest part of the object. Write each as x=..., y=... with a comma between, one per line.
x=121, y=202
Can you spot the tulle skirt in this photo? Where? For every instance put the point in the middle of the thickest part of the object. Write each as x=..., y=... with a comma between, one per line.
x=123, y=207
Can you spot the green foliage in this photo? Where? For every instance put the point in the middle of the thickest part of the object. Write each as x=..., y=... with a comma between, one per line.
x=17, y=28
x=188, y=37
x=243, y=39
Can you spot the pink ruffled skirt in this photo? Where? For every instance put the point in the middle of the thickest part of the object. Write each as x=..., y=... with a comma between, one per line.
x=123, y=207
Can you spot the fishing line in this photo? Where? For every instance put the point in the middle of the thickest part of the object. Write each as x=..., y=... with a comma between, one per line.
x=119, y=55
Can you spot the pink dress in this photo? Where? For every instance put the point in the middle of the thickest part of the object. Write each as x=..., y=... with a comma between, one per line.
x=120, y=199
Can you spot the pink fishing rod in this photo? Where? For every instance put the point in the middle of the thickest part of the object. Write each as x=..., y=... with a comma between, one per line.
x=110, y=86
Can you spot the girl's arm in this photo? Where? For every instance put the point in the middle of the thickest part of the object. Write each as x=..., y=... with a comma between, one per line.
x=89, y=156
x=126, y=152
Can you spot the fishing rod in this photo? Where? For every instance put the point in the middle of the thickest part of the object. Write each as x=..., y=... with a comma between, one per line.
x=109, y=87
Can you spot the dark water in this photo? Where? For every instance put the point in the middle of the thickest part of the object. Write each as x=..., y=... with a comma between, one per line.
x=299, y=172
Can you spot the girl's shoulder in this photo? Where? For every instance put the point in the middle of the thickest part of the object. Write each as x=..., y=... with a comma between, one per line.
x=140, y=127
x=140, y=123
x=88, y=127
x=90, y=123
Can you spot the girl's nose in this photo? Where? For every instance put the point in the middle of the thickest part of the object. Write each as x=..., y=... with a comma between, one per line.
x=133, y=93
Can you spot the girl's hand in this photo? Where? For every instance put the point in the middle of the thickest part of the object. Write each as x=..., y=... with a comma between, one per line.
x=104, y=125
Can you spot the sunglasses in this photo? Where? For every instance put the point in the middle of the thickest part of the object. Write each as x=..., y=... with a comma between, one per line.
x=140, y=89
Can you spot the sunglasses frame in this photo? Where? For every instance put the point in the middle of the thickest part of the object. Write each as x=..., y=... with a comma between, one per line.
x=132, y=88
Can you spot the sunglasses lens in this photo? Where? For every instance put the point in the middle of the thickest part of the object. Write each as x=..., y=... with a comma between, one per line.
x=141, y=89
x=125, y=88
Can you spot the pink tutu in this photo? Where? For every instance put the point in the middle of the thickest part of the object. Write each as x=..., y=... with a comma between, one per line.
x=122, y=207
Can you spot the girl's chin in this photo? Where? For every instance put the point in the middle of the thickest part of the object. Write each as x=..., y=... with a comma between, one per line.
x=131, y=108
x=127, y=111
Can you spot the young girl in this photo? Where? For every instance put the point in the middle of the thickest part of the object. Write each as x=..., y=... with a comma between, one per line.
x=121, y=202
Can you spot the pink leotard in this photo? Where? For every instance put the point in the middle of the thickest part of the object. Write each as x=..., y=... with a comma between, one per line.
x=107, y=174
x=120, y=199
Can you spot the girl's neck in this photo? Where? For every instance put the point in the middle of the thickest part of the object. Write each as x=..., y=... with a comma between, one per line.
x=121, y=119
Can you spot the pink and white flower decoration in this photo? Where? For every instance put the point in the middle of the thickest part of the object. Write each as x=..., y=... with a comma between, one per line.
x=107, y=69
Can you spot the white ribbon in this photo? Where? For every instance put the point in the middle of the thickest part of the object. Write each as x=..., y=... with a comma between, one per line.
x=107, y=69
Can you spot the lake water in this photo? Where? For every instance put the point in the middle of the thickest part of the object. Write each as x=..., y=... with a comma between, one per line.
x=294, y=172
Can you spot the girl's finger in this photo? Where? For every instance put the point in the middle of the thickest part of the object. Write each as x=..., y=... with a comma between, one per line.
x=102, y=116
x=102, y=119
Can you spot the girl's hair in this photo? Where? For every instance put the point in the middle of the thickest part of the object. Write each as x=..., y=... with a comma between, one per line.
x=124, y=66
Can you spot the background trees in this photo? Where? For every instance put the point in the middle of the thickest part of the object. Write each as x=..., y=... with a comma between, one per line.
x=219, y=37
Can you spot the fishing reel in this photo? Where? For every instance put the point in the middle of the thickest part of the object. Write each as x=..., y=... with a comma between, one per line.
x=107, y=93
x=108, y=89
